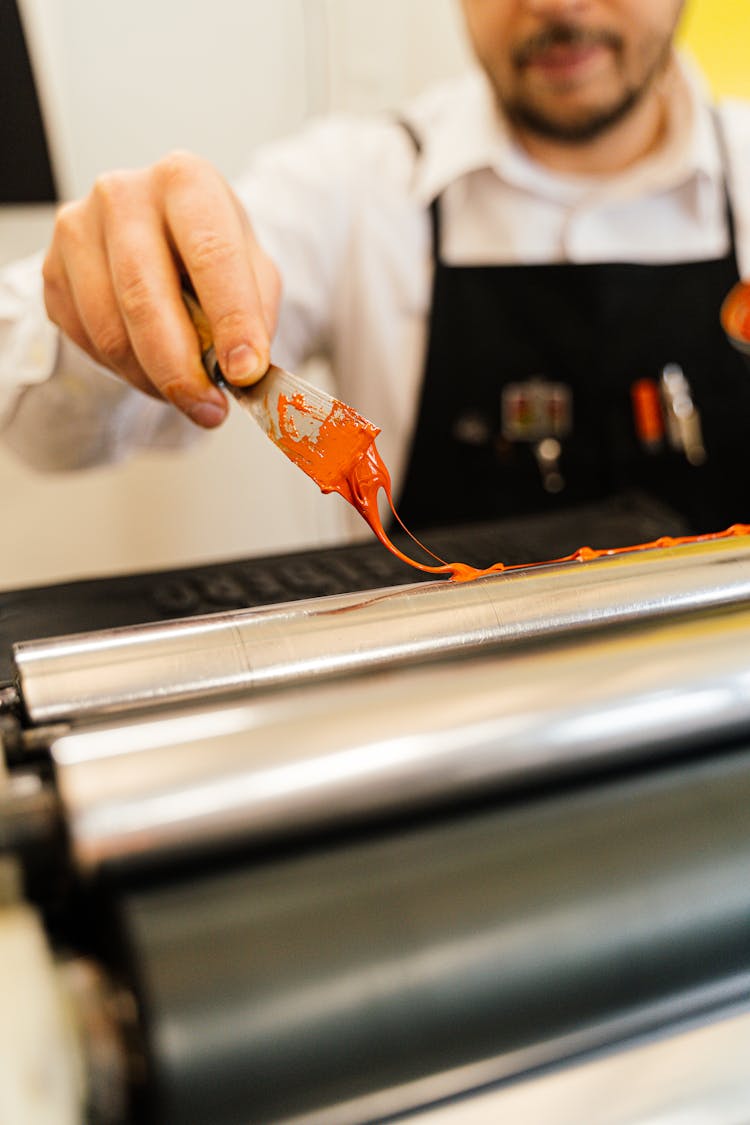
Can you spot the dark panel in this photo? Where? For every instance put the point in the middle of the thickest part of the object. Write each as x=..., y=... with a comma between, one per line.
x=25, y=169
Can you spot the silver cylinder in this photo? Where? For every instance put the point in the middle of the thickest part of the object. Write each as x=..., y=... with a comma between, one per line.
x=211, y=657
x=170, y=786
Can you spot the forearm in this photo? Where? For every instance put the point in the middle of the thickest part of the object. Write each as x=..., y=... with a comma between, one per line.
x=81, y=417
x=58, y=409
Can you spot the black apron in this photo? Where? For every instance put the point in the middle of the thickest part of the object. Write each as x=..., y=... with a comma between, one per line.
x=597, y=329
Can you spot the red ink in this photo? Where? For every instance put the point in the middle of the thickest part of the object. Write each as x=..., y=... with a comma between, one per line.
x=370, y=475
x=325, y=446
x=340, y=455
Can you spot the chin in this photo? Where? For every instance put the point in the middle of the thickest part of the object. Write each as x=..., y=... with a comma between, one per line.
x=567, y=120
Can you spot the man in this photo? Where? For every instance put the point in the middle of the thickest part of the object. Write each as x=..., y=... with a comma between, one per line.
x=520, y=284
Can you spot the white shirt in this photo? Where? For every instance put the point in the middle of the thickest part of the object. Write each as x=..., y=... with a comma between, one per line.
x=343, y=210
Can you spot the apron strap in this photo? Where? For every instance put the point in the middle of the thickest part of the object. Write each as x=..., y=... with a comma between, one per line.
x=435, y=204
x=721, y=139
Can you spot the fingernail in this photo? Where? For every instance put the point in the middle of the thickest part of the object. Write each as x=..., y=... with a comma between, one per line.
x=208, y=414
x=243, y=364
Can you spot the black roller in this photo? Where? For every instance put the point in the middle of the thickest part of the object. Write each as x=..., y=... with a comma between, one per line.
x=297, y=984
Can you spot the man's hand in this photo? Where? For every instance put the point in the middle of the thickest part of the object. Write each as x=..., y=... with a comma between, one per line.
x=112, y=281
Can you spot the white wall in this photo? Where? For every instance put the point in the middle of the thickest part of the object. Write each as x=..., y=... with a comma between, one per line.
x=122, y=83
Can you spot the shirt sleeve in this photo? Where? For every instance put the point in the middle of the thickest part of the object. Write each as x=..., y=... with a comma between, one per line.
x=60, y=410
x=28, y=342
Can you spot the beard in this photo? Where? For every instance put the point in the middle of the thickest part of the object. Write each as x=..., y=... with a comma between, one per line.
x=529, y=111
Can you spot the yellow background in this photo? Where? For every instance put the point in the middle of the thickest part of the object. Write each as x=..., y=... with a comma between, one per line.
x=717, y=33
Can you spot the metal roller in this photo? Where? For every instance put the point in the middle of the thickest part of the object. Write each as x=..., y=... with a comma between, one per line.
x=132, y=668
x=168, y=787
x=352, y=983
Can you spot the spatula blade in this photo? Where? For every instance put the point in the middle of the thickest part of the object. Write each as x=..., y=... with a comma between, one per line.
x=317, y=432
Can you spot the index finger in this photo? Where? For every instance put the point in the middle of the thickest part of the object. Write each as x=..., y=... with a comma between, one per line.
x=217, y=251
x=146, y=288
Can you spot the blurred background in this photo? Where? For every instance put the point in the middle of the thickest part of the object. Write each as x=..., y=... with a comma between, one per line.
x=119, y=85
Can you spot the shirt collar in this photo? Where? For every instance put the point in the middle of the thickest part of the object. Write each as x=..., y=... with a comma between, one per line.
x=463, y=131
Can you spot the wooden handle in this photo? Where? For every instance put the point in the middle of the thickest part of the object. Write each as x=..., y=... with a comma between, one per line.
x=205, y=338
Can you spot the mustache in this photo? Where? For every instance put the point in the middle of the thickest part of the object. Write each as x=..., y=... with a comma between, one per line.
x=562, y=34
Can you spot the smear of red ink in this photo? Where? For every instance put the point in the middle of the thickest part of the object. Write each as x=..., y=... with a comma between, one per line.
x=325, y=441
x=735, y=313
x=340, y=455
x=337, y=450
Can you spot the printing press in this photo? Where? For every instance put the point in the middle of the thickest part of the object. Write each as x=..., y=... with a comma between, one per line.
x=304, y=840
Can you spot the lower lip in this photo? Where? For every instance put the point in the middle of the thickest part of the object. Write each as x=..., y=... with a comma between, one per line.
x=568, y=62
